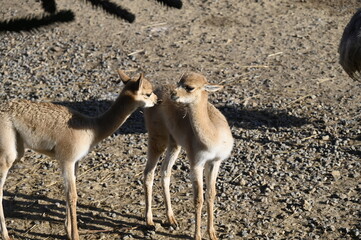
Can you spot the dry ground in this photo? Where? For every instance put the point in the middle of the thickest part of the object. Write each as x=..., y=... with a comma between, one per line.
x=295, y=115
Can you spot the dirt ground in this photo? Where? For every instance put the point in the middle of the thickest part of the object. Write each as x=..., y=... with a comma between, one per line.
x=295, y=116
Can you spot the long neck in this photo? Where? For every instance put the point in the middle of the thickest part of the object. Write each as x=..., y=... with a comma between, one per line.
x=203, y=127
x=114, y=117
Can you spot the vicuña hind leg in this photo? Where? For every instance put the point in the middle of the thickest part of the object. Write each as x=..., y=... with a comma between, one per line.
x=71, y=226
x=171, y=155
x=156, y=146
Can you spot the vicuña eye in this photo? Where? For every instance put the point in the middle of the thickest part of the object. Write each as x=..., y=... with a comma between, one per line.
x=148, y=95
x=188, y=88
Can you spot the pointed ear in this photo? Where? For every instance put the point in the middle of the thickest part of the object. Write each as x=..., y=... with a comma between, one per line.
x=139, y=82
x=212, y=87
x=124, y=77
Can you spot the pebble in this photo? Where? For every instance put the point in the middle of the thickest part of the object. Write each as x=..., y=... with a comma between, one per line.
x=291, y=160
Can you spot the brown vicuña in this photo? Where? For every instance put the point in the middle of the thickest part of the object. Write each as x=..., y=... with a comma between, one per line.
x=185, y=119
x=65, y=135
x=350, y=47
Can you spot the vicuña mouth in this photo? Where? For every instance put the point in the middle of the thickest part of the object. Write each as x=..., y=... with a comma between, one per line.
x=174, y=97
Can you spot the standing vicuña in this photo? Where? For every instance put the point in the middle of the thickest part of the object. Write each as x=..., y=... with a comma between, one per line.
x=185, y=118
x=65, y=135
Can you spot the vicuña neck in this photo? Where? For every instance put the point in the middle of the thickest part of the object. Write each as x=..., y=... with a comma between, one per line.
x=203, y=127
x=114, y=117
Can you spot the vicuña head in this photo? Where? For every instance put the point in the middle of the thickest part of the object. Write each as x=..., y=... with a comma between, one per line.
x=139, y=89
x=191, y=88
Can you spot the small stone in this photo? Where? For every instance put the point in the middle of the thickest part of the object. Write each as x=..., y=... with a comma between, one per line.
x=307, y=205
x=326, y=138
x=336, y=174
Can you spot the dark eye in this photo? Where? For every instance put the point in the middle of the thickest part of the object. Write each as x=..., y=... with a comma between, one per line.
x=188, y=88
x=148, y=95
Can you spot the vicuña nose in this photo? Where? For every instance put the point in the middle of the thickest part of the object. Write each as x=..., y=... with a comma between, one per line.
x=174, y=96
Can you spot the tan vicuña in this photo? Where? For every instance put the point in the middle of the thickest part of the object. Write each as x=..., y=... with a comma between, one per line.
x=65, y=135
x=185, y=119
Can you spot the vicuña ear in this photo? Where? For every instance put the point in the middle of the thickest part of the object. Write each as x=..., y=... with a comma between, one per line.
x=212, y=87
x=139, y=82
x=124, y=77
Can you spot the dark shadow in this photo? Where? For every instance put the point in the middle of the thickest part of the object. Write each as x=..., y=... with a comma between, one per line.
x=39, y=208
x=113, y=9
x=49, y=6
x=354, y=152
x=250, y=119
x=92, y=108
x=33, y=22
x=172, y=3
x=134, y=124
x=177, y=236
x=253, y=118
x=117, y=11
x=51, y=15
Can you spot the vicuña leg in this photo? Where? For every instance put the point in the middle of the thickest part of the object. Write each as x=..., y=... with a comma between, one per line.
x=9, y=152
x=3, y=172
x=172, y=153
x=211, y=173
x=156, y=146
x=197, y=180
x=71, y=227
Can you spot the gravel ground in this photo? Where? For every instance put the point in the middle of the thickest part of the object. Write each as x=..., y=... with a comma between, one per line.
x=295, y=115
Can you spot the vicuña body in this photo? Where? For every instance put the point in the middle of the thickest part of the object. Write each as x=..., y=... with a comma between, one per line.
x=65, y=135
x=185, y=119
x=350, y=47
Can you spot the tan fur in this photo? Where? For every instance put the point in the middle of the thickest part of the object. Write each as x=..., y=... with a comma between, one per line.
x=64, y=134
x=185, y=119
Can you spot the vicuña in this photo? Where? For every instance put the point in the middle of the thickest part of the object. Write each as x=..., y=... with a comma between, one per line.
x=185, y=119
x=65, y=135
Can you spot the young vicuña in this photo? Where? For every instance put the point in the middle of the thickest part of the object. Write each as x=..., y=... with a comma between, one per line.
x=185, y=119
x=65, y=135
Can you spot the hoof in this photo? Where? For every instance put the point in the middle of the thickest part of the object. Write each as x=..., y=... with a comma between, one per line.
x=149, y=228
x=174, y=225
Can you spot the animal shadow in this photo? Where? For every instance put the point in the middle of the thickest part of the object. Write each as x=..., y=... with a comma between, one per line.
x=250, y=119
x=92, y=108
x=52, y=16
x=35, y=22
x=91, y=220
x=39, y=208
x=241, y=117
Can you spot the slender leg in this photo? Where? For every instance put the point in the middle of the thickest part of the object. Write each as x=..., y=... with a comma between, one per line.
x=4, y=231
x=11, y=148
x=5, y=164
x=211, y=173
x=197, y=178
x=71, y=199
x=155, y=148
x=171, y=155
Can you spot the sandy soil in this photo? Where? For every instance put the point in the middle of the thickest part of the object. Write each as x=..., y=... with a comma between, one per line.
x=294, y=113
